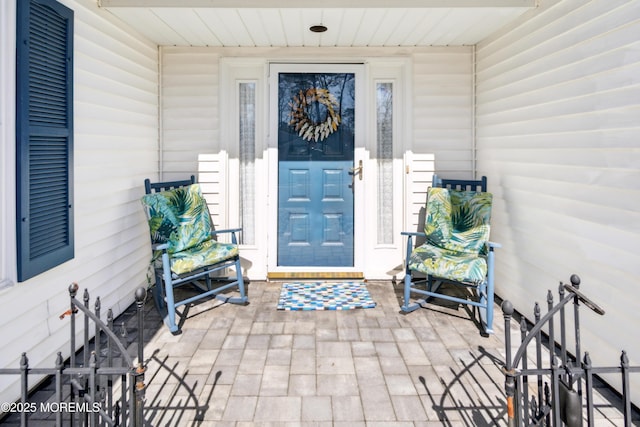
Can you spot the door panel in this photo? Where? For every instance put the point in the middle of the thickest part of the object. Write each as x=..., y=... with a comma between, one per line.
x=316, y=123
x=315, y=214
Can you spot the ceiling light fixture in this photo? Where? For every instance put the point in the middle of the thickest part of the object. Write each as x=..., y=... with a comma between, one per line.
x=317, y=28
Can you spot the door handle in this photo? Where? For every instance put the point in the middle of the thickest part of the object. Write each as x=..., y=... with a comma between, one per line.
x=356, y=171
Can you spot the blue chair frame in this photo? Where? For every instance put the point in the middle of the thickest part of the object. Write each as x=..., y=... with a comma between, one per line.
x=166, y=281
x=429, y=287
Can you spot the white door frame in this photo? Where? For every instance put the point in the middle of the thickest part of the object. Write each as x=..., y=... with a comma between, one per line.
x=375, y=260
x=384, y=259
x=360, y=154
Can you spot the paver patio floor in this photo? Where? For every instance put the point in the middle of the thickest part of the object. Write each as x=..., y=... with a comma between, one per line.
x=254, y=365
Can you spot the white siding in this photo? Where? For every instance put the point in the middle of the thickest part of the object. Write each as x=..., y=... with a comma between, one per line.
x=212, y=175
x=442, y=109
x=422, y=169
x=115, y=148
x=189, y=105
x=442, y=125
x=558, y=108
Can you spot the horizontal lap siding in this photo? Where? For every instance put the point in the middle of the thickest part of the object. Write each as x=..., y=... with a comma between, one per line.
x=212, y=174
x=116, y=133
x=558, y=108
x=190, y=113
x=191, y=125
x=442, y=109
x=115, y=148
x=442, y=123
x=422, y=169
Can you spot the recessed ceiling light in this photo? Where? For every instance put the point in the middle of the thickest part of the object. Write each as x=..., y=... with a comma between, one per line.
x=318, y=28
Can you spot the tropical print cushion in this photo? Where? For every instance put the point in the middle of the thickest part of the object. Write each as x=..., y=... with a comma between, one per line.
x=446, y=264
x=458, y=220
x=178, y=217
x=207, y=253
x=437, y=225
x=457, y=229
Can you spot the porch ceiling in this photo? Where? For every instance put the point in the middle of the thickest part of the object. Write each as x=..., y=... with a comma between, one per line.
x=285, y=23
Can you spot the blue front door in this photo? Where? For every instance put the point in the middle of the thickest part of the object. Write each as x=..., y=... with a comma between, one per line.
x=316, y=122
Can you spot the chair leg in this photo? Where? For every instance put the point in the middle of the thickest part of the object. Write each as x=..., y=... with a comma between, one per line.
x=239, y=279
x=243, y=295
x=490, y=289
x=406, y=307
x=481, y=291
x=489, y=328
x=158, y=292
x=208, y=282
x=239, y=282
x=485, y=310
x=170, y=319
x=490, y=304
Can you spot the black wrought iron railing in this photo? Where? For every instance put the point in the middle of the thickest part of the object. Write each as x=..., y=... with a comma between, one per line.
x=558, y=391
x=104, y=386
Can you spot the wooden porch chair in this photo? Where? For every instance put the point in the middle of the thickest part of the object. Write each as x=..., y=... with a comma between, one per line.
x=185, y=248
x=456, y=249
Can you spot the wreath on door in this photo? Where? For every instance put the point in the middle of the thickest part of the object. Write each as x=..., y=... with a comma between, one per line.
x=302, y=121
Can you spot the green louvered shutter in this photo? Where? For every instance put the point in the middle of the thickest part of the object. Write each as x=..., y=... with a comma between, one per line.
x=44, y=136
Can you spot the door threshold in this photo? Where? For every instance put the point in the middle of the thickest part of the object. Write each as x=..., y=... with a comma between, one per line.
x=288, y=275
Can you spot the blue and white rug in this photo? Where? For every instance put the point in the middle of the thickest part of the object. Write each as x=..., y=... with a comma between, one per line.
x=324, y=296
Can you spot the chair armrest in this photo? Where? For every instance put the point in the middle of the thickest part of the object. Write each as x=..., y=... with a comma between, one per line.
x=413, y=233
x=410, y=235
x=493, y=245
x=233, y=232
x=159, y=246
x=228, y=230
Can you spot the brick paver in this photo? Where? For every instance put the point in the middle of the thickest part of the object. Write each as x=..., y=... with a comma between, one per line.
x=254, y=365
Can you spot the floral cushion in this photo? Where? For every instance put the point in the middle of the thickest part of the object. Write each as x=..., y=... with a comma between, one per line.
x=457, y=229
x=180, y=218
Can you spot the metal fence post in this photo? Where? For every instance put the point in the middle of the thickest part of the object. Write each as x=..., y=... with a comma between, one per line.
x=588, y=374
x=24, y=385
x=85, y=298
x=509, y=384
x=538, y=339
x=626, y=392
x=523, y=381
x=575, y=281
x=555, y=392
x=59, y=368
x=552, y=353
x=93, y=364
x=109, y=401
x=97, y=332
x=73, y=291
x=141, y=295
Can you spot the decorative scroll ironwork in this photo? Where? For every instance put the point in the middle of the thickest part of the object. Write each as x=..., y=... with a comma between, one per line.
x=94, y=397
x=564, y=383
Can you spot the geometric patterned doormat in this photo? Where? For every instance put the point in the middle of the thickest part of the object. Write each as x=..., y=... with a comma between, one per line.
x=324, y=296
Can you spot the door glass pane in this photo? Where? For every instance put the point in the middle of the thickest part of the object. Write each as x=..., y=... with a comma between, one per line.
x=247, y=136
x=384, y=137
x=316, y=122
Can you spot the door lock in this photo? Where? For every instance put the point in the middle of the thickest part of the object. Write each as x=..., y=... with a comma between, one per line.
x=356, y=171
